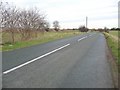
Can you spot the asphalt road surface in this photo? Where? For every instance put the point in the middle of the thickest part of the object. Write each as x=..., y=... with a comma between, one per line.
x=75, y=62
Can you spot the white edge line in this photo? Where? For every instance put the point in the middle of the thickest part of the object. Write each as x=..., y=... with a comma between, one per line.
x=17, y=67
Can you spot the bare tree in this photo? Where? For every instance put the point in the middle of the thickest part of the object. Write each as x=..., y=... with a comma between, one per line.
x=3, y=13
x=9, y=18
x=12, y=21
x=31, y=21
x=56, y=25
x=25, y=22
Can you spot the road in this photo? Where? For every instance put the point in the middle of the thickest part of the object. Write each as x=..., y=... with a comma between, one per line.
x=75, y=62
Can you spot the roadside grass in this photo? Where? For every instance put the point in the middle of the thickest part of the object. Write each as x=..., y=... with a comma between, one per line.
x=114, y=45
x=42, y=38
x=115, y=33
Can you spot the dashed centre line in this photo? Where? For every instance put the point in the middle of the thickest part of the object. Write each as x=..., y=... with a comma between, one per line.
x=85, y=37
x=82, y=38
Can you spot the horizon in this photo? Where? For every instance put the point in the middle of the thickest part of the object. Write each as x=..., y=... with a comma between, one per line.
x=72, y=14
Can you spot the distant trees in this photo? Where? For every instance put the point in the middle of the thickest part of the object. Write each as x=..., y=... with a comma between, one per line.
x=106, y=29
x=25, y=22
x=115, y=29
x=56, y=25
x=83, y=29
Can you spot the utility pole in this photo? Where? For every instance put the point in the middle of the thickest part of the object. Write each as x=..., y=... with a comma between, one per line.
x=119, y=14
x=86, y=21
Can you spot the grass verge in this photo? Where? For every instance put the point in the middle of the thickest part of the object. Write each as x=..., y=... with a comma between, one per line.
x=113, y=53
x=114, y=47
x=46, y=37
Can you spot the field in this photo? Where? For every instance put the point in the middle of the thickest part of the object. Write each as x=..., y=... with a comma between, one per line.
x=42, y=38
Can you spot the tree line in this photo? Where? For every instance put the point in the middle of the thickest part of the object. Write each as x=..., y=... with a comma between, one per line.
x=23, y=21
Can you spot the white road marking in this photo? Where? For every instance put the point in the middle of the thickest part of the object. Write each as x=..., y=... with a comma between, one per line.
x=90, y=35
x=82, y=38
x=85, y=37
x=17, y=67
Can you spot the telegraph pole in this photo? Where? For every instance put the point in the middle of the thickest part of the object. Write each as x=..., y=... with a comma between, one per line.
x=86, y=21
x=119, y=14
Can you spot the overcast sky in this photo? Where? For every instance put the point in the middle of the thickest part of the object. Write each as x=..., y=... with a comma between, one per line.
x=72, y=13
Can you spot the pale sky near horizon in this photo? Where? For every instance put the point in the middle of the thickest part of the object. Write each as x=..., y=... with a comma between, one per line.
x=72, y=13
